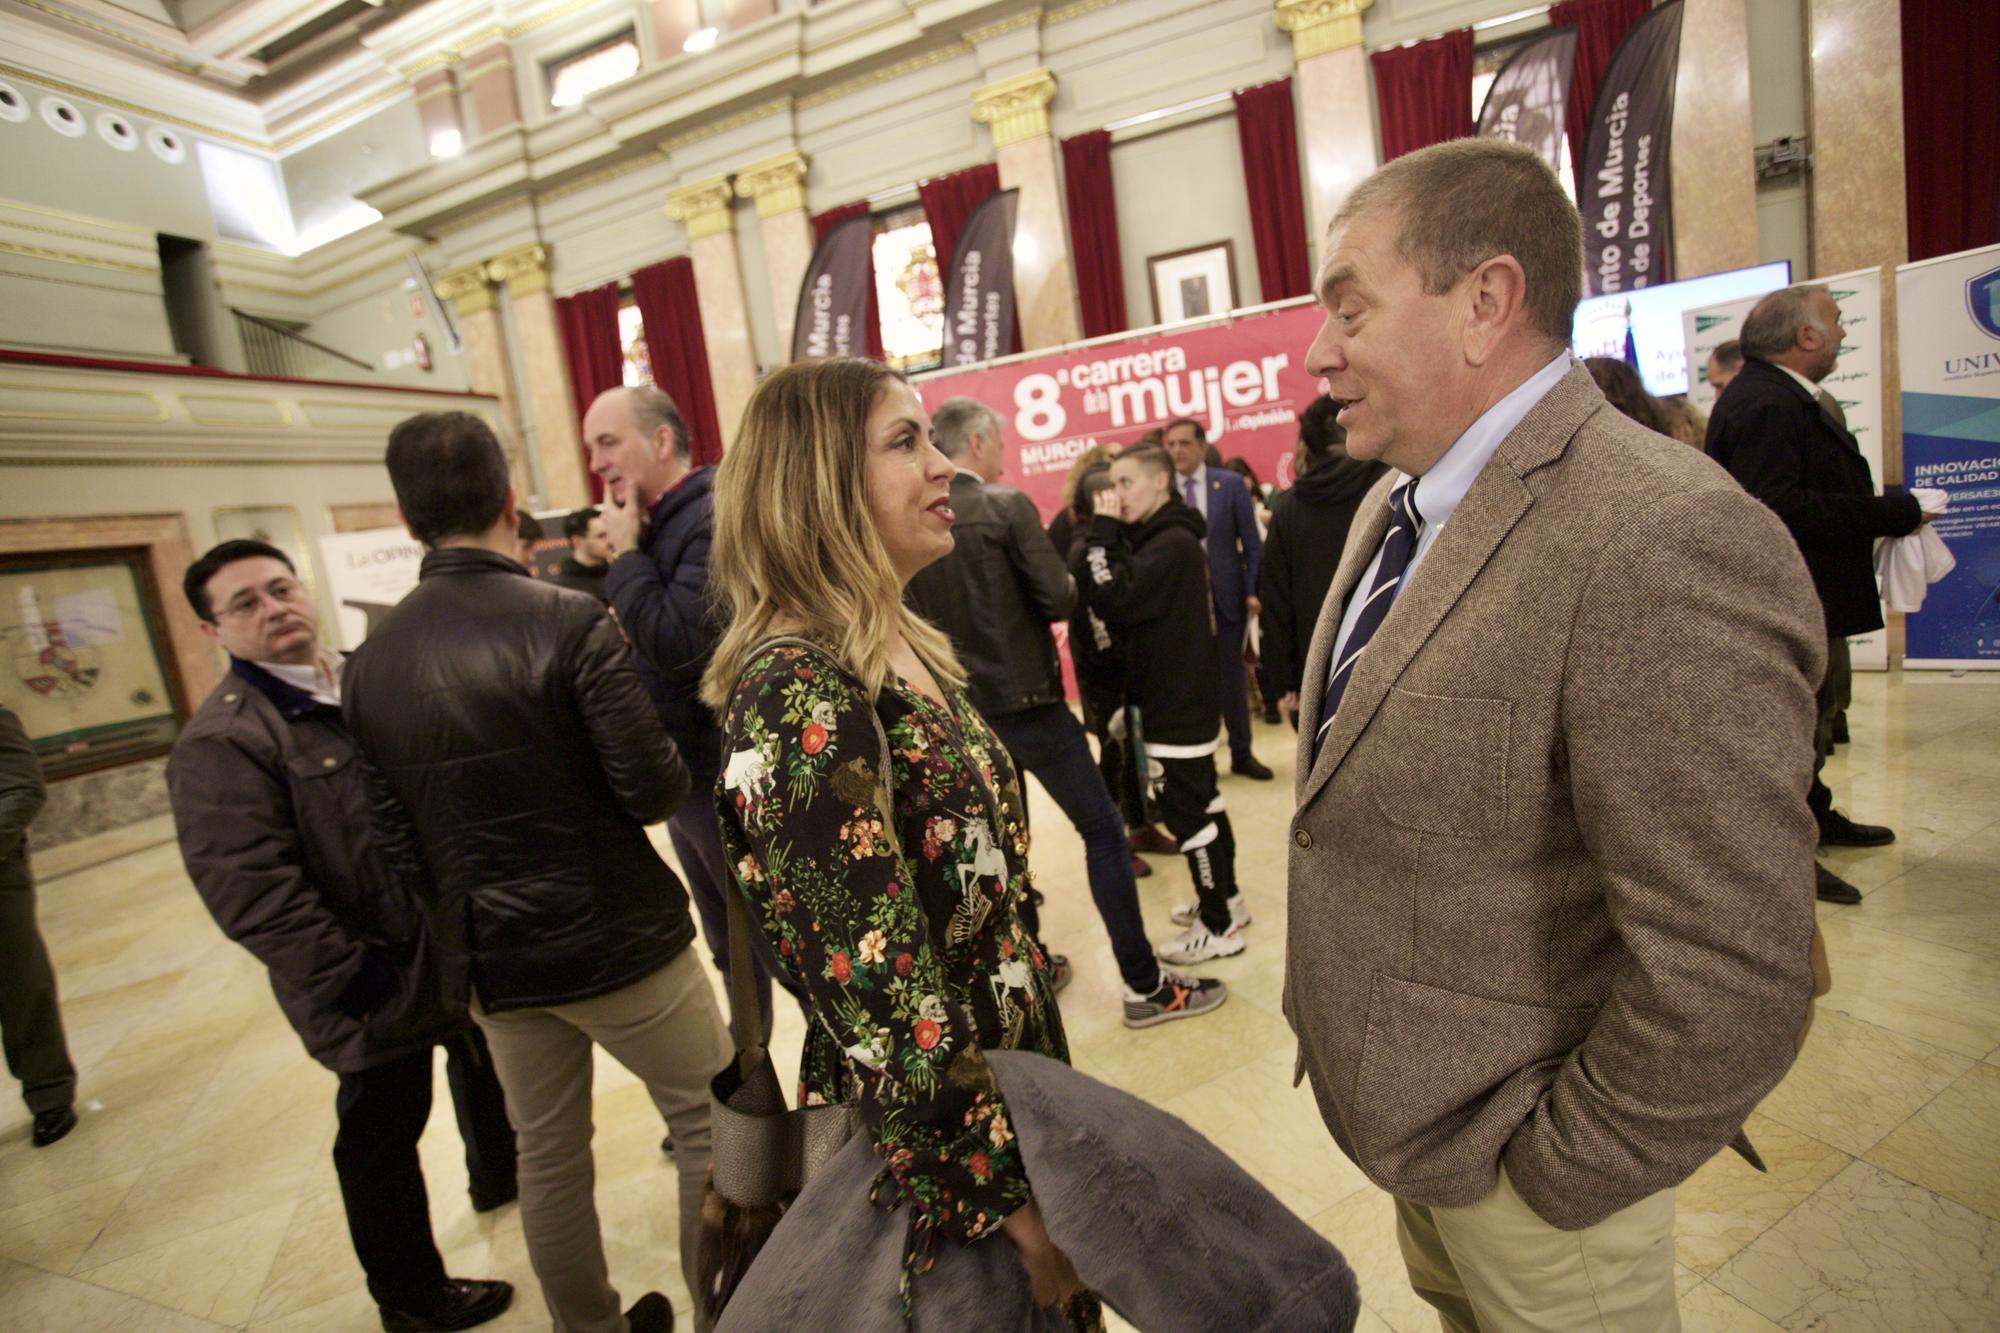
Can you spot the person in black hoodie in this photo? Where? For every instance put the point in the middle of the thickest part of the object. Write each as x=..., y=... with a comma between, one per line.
x=1147, y=578
x=1309, y=526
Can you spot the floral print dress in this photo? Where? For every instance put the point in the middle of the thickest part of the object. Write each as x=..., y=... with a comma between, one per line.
x=915, y=963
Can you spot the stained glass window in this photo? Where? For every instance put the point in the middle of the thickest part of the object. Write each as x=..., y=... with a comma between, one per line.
x=909, y=290
x=632, y=340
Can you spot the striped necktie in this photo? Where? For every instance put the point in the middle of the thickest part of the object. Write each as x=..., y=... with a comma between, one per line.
x=1400, y=543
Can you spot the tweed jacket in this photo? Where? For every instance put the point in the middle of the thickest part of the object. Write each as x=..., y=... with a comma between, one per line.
x=1551, y=876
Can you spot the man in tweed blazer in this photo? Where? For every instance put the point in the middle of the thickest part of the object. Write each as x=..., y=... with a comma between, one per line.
x=1551, y=873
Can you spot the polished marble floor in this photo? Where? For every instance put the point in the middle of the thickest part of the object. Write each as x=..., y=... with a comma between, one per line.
x=198, y=1192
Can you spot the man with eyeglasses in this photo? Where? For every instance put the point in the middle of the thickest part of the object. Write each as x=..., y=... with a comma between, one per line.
x=272, y=812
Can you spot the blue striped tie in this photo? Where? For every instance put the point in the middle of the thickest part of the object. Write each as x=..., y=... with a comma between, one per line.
x=1405, y=523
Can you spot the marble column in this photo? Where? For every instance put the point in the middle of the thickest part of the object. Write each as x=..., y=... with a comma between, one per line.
x=550, y=403
x=1336, y=103
x=1017, y=111
x=778, y=185
x=674, y=21
x=704, y=209
x=489, y=81
x=483, y=337
x=1855, y=87
x=1714, y=161
x=438, y=112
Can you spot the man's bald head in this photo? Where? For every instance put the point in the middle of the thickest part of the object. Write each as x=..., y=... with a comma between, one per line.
x=635, y=437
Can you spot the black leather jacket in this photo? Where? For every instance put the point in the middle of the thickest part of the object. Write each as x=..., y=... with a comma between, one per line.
x=515, y=760
x=996, y=595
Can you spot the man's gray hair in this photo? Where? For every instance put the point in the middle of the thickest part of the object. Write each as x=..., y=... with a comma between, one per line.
x=1461, y=203
x=957, y=420
x=1773, y=324
x=652, y=409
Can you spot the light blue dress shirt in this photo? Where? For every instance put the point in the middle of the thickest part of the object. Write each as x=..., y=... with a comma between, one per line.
x=1440, y=490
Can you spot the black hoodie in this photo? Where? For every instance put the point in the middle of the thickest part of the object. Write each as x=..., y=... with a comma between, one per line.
x=1309, y=526
x=1148, y=581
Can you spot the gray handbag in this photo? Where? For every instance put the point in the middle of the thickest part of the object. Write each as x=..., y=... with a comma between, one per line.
x=762, y=1152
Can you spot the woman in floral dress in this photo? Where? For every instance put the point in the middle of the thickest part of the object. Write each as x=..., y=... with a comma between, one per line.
x=903, y=925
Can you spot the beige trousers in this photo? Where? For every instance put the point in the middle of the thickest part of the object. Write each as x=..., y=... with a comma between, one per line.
x=666, y=1029
x=1496, y=1267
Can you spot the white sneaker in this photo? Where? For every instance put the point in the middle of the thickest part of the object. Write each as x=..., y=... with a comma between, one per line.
x=1198, y=944
x=1189, y=913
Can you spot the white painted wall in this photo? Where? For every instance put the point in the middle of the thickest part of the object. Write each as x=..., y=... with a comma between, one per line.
x=1178, y=189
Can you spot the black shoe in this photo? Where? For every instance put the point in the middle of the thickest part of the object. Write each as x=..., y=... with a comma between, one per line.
x=1840, y=730
x=651, y=1314
x=1837, y=830
x=1834, y=889
x=1248, y=767
x=485, y=1201
x=459, y=1303
x=52, y=1125
x=1271, y=712
x=667, y=1145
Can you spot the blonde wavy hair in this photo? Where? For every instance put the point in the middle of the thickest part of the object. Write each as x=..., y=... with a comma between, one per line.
x=795, y=541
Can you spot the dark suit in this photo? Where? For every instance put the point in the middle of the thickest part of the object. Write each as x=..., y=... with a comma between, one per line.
x=1234, y=553
x=1781, y=443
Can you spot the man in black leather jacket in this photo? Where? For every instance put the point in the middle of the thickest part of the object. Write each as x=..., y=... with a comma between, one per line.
x=996, y=595
x=517, y=760
x=269, y=808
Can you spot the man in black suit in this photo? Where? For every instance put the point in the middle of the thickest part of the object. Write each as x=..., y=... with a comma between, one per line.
x=1773, y=433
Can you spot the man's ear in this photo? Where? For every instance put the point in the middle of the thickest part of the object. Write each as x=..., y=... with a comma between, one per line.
x=510, y=513
x=1496, y=297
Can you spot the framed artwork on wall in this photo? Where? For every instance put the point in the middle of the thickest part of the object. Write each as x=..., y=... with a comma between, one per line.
x=84, y=659
x=276, y=525
x=1193, y=283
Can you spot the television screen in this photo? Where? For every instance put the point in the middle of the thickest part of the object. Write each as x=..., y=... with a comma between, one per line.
x=1655, y=320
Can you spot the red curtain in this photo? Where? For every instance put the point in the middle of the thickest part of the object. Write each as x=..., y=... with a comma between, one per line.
x=588, y=322
x=1600, y=25
x=1424, y=93
x=671, y=313
x=1093, y=233
x=1270, y=139
x=826, y=222
x=1951, y=87
x=949, y=200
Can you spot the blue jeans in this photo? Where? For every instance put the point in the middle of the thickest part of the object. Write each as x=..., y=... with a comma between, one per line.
x=1048, y=742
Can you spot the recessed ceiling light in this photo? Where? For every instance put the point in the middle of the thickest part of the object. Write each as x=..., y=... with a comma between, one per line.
x=700, y=40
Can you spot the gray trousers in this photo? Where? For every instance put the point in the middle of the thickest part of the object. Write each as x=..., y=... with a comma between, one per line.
x=668, y=1031
x=30, y=1021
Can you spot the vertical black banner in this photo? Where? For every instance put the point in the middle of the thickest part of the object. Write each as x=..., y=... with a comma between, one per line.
x=979, y=285
x=1623, y=196
x=1530, y=96
x=833, y=301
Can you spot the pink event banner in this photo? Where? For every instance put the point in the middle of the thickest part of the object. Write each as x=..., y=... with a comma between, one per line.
x=1243, y=379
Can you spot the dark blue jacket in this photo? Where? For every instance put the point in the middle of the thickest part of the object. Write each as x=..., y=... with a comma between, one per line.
x=660, y=592
x=1234, y=548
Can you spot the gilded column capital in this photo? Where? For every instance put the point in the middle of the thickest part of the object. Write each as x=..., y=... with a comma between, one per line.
x=778, y=184
x=468, y=289
x=1320, y=26
x=703, y=207
x=524, y=269
x=1016, y=109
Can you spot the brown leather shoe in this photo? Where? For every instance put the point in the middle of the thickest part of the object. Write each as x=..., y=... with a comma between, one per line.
x=1153, y=842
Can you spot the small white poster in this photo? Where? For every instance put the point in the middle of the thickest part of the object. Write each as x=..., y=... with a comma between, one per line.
x=1856, y=383
x=369, y=572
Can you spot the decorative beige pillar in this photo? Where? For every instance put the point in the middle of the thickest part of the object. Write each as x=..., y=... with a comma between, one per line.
x=1714, y=162
x=489, y=81
x=778, y=185
x=550, y=403
x=1017, y=111
x=484, y=338
x=438, y=112
x=1336, y=101
x=1858, y=197
x=704, y=209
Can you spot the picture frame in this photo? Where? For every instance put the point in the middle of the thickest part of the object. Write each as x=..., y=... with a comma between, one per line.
x=1196, y=283
x=88, y=663
x=277, y=525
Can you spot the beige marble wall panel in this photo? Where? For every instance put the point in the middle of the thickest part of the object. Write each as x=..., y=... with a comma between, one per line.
x=496, y=100
x=1337, y=125
x=788, y=249
x=437, y=104
x=1714, y=151
x=485, y=341
x=1044, y=278
x=725, y=326
x=549, y=402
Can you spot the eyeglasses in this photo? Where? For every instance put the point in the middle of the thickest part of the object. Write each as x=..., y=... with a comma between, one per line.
x=285, y=592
